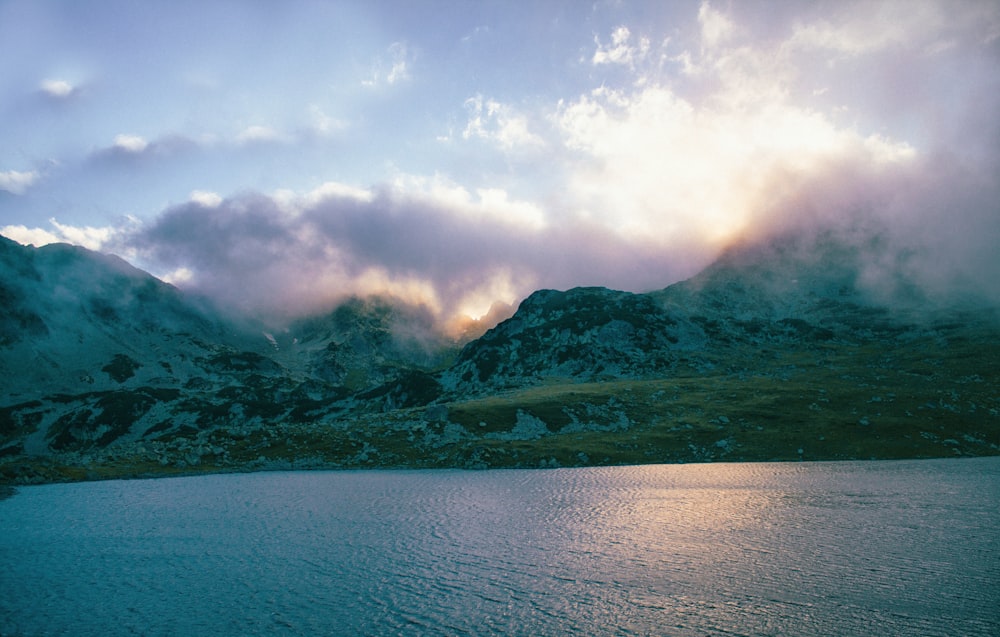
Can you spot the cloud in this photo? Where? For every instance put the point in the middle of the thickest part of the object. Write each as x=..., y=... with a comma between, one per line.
x=206, y=199
x=418, y=238
x=30, y=236
x=180, y=276
x=492, y=205
x=742, y=144
x=128, y=148
x=500, y=124
x=57, y=89
x=392, y=68
x=129, y=144
x=322, y=124
x=926, y=27
x=680, y=171
x=646, y=159
x=17, y=182
x=399, y=69
x=259, y=134
x=707, y=155
x=716, y=26
x=930, y=225
x=620, y=50
x=93, y=238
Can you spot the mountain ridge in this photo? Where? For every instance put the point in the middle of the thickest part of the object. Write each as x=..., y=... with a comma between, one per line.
x=114, y=373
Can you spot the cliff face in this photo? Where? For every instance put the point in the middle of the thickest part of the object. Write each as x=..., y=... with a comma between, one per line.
x=788, y=350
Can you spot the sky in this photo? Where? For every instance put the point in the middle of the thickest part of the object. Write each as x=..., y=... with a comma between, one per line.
x=279, y=156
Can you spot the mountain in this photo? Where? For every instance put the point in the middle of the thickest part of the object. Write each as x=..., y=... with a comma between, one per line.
x=583, y=333
x=813, y=292
x=72, y=318
x=364, y=342
x=98, y=355
x=799, y=347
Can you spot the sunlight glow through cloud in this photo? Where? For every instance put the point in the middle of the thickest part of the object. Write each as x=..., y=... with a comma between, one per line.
x=678, y=172
x=318, y=150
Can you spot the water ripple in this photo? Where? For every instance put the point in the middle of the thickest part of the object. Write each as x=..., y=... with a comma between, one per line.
x=737, y=549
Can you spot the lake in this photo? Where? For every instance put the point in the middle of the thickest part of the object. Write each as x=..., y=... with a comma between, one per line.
x=851, y=548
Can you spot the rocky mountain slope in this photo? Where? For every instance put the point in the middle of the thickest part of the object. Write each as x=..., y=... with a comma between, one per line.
x=798, y=348
x=72, y=319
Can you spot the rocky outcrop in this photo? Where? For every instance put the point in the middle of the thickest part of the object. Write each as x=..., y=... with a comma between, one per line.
x=583, y=334
x=111, y=372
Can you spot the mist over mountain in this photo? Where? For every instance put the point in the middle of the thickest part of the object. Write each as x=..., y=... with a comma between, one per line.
x=813, y=341
x=634, y=144
x=68, y=312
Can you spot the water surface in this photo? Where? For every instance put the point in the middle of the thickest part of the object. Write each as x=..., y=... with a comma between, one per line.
x=873, y=548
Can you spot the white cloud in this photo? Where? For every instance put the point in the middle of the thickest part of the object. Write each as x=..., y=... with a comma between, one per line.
x=180, y=276
x=58, y=89
x=323, y=124
x=30, y=236
x=492, y=204
x=655, y=163
x=716, y=27
x=621, y=50
x=333, y=189
x=17, y=182
x=496, y=203
x=292, y=203
x=206, y=198
x=93, y=238
x=930, y=27
x=259, y=134
x=129, y=148
x=500, y=124
x=393, y=68
x=90, y=237
x=400, y=63
x=130, y=143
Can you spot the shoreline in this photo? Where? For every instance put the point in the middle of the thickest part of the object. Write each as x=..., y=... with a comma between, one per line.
x=49, y=473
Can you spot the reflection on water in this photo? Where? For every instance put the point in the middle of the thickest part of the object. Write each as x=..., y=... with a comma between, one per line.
x=746, y=549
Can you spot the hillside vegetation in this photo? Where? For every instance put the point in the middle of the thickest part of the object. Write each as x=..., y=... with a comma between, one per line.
x=767, y=355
